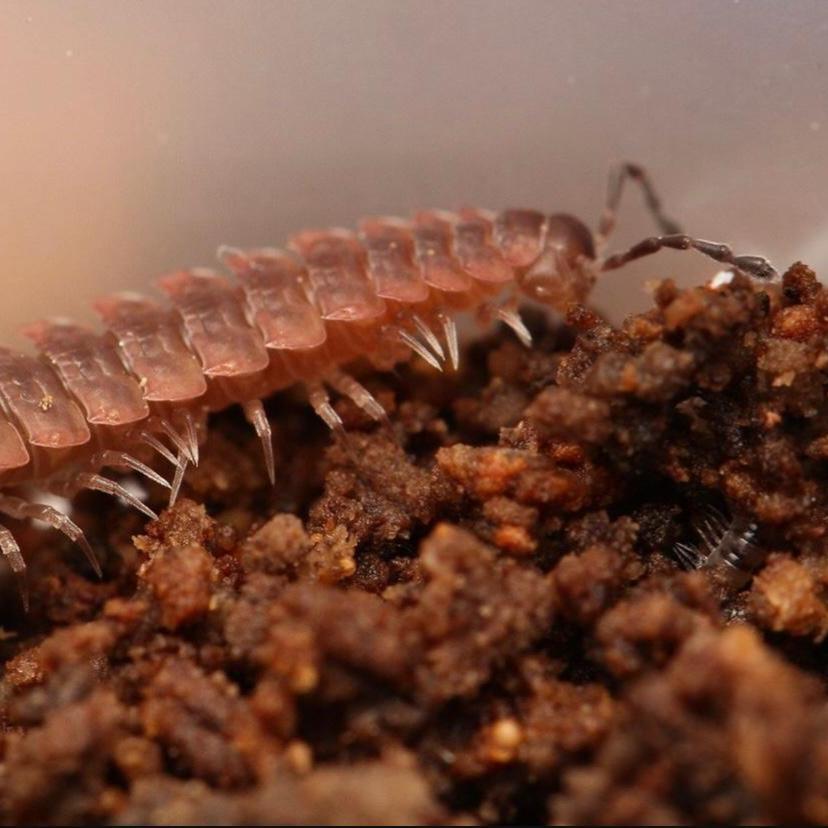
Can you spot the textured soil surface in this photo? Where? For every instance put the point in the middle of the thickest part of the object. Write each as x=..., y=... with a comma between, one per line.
x=473, y=613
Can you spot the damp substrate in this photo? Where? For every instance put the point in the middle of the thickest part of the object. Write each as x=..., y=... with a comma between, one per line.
x=473, y=614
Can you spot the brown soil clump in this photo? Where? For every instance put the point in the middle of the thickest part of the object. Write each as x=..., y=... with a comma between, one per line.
x=473, y=613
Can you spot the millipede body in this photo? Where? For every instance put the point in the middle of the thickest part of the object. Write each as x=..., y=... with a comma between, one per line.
x=391, y=288
x=726, y=544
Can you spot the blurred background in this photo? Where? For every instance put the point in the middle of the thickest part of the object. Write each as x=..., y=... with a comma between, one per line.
x=136, y=137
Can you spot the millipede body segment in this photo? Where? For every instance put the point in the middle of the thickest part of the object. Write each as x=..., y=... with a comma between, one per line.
x=727, y=544
x=389, y=289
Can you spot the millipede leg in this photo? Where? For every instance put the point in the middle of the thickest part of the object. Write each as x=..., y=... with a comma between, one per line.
x=256, y=416
x=688, y=555
x=359, y=394
x=428, y=335
x=11, y=552
x=419, y=348
x=752, y=265
x=615, y=187
x=120, y=459
x=18, y=508
x=321, y=403
x=178, y=478
x=190, y=434
x=717, y=520
x=181, y=444
x=180, y=462
x=450, y=333
x=511, y=317
x=154, y=443
x=708, y=535
x=97, y=483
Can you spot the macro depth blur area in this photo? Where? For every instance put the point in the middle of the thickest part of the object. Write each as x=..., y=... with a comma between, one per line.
x=136, y=137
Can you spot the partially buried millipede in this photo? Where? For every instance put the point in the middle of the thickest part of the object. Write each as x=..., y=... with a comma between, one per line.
x=146, y=384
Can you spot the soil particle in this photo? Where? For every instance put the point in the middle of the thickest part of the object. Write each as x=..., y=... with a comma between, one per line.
x=787, y=596
x=475, y=613
x=366, y=793
x=719, y=736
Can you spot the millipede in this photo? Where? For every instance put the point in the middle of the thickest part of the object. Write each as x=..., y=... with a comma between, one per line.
x=726, y=544
x=140, y=391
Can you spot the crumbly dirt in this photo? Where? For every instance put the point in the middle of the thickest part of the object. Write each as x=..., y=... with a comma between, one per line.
x=471, y=614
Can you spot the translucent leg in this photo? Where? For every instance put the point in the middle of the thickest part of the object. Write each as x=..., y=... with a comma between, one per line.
x=512, y=318
x=120, y=459
x=357, y=392
x=190, y=434
x=688, y=555
x=428, y=335
x=256, y=416
x=450, y=332
x=153, y=442
x=419, y=348
x=178, y=477
x=97, y=483
x=321, y=403
x=181, y=462
x=181, y=444
x=717, y=520
x=18, y=508
x=11, y=552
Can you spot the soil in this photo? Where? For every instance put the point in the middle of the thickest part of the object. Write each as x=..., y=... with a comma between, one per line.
x=473, y=613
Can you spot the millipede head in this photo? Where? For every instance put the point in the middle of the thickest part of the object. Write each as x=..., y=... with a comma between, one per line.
x=565, y=271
